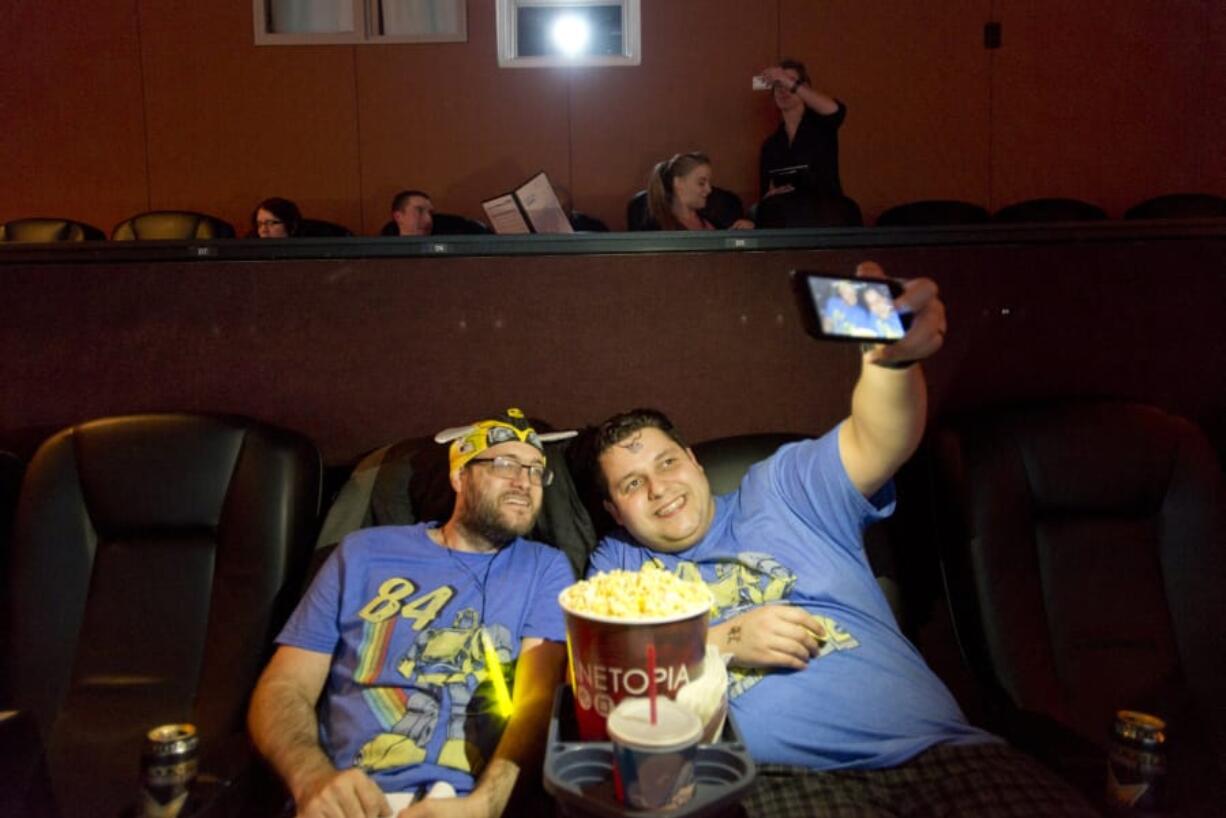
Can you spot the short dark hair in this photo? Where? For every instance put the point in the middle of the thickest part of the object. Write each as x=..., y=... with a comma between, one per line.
x=596, y=440
x=802, y=73
x=283, y=209
x=402, y=198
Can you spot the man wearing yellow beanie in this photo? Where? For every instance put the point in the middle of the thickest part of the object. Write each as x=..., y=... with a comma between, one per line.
x=409, y=634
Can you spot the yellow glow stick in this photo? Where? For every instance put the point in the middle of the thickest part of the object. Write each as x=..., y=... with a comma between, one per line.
x=502, y=695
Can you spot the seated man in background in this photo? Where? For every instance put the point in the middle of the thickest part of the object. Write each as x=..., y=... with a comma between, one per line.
x=821, y=677
x=413, y=213
x=409, y=634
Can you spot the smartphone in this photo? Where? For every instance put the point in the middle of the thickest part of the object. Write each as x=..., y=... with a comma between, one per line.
x=847, y=308
x=761, y=83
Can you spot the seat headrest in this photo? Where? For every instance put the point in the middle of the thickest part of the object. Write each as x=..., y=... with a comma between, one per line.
x=157, y=472
x=1085, y=457
x=172, y=224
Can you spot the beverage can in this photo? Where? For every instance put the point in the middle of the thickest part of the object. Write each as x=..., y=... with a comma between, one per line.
x=1136, y=761
x=168, y=767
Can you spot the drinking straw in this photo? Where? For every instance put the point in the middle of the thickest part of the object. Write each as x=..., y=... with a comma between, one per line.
x=651, y=678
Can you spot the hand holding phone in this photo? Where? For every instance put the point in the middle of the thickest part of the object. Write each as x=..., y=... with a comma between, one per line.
x=847, y=308
x=761, y=83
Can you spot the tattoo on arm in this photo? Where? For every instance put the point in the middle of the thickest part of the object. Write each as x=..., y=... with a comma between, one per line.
x=734, y=634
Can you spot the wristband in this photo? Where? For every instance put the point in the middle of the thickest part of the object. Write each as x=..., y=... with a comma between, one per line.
x=866, y=348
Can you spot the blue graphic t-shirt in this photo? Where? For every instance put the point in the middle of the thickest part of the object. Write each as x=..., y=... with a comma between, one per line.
x=413, y=629
x=792, y=533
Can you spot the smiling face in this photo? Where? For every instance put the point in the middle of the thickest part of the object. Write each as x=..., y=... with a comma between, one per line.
x=499, y=509
x=692, y=189
x=415, y=218
x=657, y=490
x=877, y=303
x=846, y=291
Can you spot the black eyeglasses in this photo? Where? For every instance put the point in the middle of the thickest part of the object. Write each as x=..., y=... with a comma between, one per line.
x=509, y=469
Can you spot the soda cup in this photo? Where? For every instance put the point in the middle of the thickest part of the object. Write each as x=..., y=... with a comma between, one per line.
x=168, y=768
x=653, y=764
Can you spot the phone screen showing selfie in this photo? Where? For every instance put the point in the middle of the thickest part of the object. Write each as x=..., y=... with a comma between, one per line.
x=856, y=308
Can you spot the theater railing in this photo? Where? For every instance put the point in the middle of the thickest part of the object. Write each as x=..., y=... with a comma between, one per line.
x=359, y=341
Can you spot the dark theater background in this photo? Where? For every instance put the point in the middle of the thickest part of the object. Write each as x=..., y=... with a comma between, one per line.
x=110, y=109
x=118, y=107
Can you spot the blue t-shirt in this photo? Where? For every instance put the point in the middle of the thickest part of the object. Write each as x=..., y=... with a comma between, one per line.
x=410, y=698
x=792, y=533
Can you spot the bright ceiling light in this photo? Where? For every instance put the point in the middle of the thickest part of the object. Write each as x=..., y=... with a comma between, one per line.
x=570, y=33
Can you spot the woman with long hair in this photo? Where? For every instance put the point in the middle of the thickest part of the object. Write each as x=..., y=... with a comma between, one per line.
x=677, y=192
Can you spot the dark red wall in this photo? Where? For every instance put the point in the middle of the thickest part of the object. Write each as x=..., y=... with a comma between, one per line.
x=111, y=108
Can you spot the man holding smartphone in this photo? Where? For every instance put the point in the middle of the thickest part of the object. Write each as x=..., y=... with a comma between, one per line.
x=807, y=140
x=833, y=702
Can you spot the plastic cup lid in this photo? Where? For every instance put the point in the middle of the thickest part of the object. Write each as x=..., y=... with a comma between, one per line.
x=630, y=725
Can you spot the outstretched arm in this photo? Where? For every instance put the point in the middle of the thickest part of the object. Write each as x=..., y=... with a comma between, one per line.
x=285, y=730
x=889, y=406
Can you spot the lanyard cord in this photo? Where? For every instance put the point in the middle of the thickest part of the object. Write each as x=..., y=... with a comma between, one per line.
x=480, y=583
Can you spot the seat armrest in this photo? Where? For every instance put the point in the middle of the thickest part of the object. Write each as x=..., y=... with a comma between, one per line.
x=25, y=783
x=222, y=785
x=234, y=781
x=1074, y=758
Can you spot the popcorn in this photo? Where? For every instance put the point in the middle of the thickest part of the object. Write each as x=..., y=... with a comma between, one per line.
x=651, y=592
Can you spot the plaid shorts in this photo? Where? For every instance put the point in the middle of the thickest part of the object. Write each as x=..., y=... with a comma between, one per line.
x=988, y=779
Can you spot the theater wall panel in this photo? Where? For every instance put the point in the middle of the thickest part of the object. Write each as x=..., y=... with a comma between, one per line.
x=1100, y=101
x=121, y=107
x=692, y=92
x=915, y=78
x=231, y=124
x=356, y=352
x=72, y=142
x=444, y=118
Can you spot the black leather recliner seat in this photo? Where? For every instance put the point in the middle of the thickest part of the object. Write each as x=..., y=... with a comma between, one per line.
x=153, y=556
x=1085, y=558
x=172, y=224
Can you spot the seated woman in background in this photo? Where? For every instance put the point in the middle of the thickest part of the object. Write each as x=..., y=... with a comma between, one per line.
x=275, y=218
x=677, y=192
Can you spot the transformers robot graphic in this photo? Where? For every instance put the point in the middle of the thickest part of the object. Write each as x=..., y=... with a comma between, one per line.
x=446, y=678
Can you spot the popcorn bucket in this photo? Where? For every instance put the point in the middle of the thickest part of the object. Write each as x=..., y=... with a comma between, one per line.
x=608, y=659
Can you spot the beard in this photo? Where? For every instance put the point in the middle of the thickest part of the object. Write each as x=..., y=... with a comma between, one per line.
x=483, y=517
